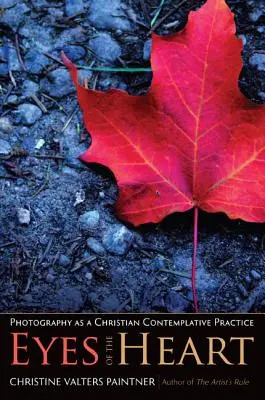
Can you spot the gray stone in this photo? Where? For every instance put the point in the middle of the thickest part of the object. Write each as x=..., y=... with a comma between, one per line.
x=108, y=15
x=8, y=3
x=261, y=29
x=28, y=114
x=58, y=84
x=262, y=96
x=14, y=17
x=3, y=54
x=94, y=245
x=159, y=263
x=70, y=36
x=105, y=47
x=13, y=61
x=73, y=7
x=40, y=3
x=118, y=239
x=255, y=275
x=36, y=36
x=23, y=215
x=147, y=50
x=64, y=260
x=243, y=38
x=89, y=220
x=84, y=74
x=242, y=290
x=30, y=88
x=56, y=12
x=5, y=125
x=35, y=61
x=12, y=100
x=248, y=280
x=68, y=299
x=258, y=61
x=5, y=147
x=255, y=15
x=175, y=302
x=74, y=53
x=3, y=70
x=28, y=142
x=89, y=276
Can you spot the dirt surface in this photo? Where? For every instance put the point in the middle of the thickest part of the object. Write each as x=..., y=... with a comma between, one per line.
x=61, y=246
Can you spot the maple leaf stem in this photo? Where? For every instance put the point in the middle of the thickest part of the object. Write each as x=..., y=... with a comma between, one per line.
x=194, y=258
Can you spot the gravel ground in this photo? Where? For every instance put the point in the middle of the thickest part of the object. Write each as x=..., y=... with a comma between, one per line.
x=61, y=246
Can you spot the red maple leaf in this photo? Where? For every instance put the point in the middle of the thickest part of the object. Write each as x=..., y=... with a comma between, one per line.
x=194, y=140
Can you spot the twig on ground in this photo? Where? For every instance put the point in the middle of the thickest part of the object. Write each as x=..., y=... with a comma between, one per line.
x=181, y=274
x=31, y=275
x=158, y=23
x=159, y=9
x=12, y=78
x=19, y=54
x=55, y=102
x=82, y=263
x=226, y=263
x=39, y=103
x=69, y=120
x=7, y=244
x=47, y=156
x=44, y=186
x=53, y=58
x=8, y=177
x=46, y=252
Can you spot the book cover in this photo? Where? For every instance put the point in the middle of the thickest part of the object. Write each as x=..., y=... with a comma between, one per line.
x=132, y=188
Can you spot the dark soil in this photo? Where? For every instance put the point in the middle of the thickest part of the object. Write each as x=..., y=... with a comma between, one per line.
x=46, y=263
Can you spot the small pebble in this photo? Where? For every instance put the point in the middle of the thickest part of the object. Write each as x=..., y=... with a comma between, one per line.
x=89, y=276
x=64, y=260
x=89, y=220
x=108, y=15
x=255, y=275
x=74, y=53
x=30, y=88
x=5, y=125
x=258, y=61
x=243, y=291
x=118, y=239
x=147, y=50
x=248, y=280
x=36, y=61
x=159, y=263
x=95, y=246
x=105, y=47
x=73, y=7
x=28, y=114
x=57, y=84
x=50, y=278
x=23, y=216
x=5, y=147
x=12, y=100
x=8, y=3
x=80, y=197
